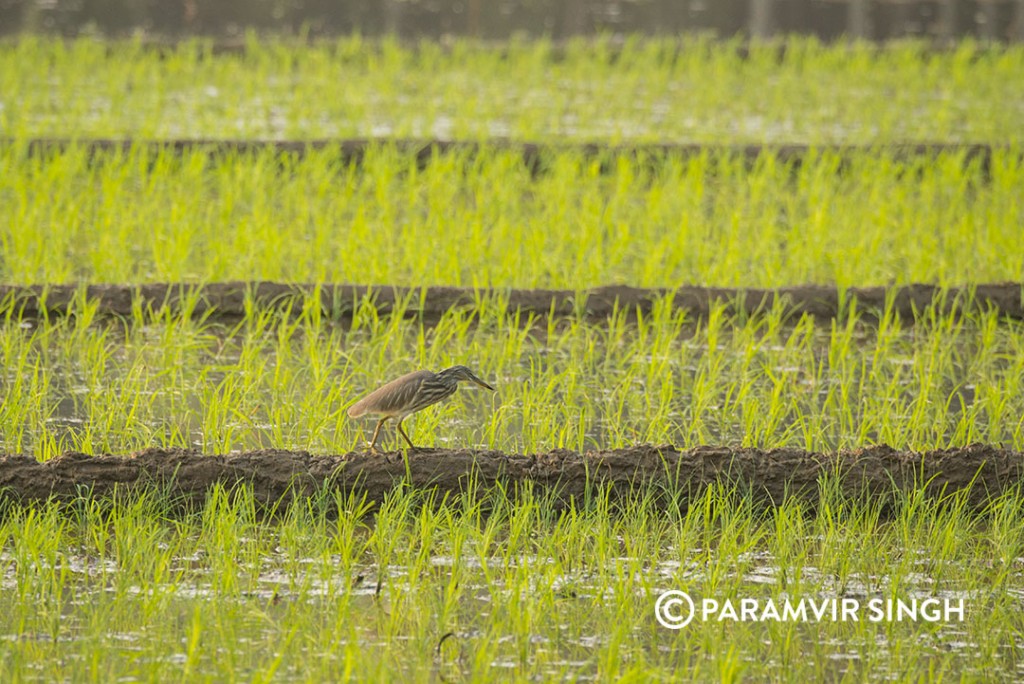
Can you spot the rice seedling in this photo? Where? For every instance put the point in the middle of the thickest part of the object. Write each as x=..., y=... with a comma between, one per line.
x=694, y=89
x=106, y=590
x=284, y=379
x=503, y=584
x=485, y=220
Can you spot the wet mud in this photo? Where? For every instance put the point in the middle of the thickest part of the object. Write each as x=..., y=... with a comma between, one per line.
x=981, y=472
x=534, y=155
x=227, y=300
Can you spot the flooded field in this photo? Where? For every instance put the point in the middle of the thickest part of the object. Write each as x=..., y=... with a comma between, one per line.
x=497, y=579
x=282, y=381
x=486, y=219
x=694, y=89
x=470, y=590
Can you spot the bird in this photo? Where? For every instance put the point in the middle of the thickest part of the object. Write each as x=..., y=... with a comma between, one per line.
x=410, y=393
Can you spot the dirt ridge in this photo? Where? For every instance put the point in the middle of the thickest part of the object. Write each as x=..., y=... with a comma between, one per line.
x=354, y=150
x=341, y=300
x=981, y=471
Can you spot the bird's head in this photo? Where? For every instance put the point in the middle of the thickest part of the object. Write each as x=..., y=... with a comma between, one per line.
x=463, y=373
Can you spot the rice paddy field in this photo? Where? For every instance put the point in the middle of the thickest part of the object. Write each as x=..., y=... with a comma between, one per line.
x=501, y=585
x=484, y=219
x=608, y=90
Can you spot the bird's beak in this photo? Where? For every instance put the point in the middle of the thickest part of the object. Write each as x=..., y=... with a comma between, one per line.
x=482, y=383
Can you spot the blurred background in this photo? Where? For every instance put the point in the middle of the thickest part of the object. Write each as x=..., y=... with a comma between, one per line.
x=501, y=19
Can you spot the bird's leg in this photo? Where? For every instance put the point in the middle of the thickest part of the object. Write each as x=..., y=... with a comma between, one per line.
x=376, y=432
x=411, y=445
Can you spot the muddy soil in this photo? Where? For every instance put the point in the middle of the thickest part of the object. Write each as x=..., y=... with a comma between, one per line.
x=535, y=156
x=227, y=300
x=984, y=471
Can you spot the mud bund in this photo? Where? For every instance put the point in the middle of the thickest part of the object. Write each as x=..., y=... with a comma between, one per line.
x=231, y=300
x=980, y=472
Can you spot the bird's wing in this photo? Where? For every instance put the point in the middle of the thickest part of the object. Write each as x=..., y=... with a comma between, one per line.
x=392, y=398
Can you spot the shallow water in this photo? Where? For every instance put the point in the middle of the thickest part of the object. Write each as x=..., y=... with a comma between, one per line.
x=564, y=645
x=592, y=386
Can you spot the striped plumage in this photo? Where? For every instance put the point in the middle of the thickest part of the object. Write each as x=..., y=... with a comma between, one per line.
x=411, y=393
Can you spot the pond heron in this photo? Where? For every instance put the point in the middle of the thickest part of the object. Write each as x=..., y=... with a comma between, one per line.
x=410, y=393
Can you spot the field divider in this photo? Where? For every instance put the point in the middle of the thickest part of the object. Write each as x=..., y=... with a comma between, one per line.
x=354, y=150
x=233, y=300
x=979, y=472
